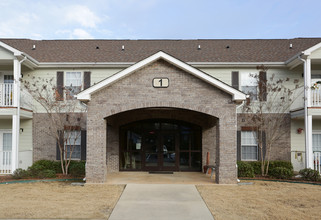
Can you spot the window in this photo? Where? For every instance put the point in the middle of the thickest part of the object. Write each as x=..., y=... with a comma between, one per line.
x=8, y=79
x=249, y=148
x=73, y=84
x=73, y=141
x=316, y=141
x=249, y=85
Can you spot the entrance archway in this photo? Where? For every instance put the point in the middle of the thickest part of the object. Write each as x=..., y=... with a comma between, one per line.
x=160, y=145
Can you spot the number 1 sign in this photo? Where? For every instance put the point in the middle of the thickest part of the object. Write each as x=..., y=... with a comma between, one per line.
x=160, y=82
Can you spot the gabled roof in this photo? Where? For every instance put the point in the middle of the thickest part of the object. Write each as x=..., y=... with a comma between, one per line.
x=211, y=51
x=10, y=49
x=236, y=94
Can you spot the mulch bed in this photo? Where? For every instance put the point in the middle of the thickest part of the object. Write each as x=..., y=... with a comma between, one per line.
x=294, y=180
x=9, y=178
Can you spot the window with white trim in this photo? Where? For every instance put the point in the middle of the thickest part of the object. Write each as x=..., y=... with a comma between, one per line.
x=249, y=85
x=73, y=144
x=249, y=147
x=73, y=83
x=316, y=141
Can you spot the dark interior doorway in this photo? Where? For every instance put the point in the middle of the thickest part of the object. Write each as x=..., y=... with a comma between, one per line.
x=160, y=145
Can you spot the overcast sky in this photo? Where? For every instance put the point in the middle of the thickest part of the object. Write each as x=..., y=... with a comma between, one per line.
x=159, y=19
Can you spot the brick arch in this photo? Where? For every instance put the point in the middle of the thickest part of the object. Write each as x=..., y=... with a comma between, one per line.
x=203, y=109
x=132, y=115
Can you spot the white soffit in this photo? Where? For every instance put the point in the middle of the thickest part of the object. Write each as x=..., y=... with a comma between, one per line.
x=86, y=94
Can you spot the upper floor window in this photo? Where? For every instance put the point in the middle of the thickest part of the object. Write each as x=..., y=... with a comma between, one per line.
x=73, y=84
x=249, y=85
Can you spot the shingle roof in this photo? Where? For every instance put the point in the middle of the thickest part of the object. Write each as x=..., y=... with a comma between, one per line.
x=264, y=50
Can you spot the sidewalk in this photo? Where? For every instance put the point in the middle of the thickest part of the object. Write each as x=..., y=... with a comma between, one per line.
x=160, y=202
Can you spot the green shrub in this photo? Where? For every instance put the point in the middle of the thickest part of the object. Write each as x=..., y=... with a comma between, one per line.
x=273, y=164
x=46, y=174
x=77, y=168
x=256, y=166
x=281, y=172
x=280, y=163
x=40, y=169
x=310, y=174
x=20, y=174
x=244, y=169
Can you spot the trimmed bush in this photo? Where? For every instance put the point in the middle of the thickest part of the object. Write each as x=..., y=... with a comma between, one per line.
x=280, y=163
x=244, y=169
x=77, y=168
x=46, y=174
x=281, y=173
x=310, y=174
x=20, y=174
x=256, y=166
x=273, y=164
x=40, y=169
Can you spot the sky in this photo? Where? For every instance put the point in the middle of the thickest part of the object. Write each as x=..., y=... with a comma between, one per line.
x=159, y=19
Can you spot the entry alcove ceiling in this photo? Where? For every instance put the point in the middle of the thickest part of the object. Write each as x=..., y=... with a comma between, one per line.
x=201, y=119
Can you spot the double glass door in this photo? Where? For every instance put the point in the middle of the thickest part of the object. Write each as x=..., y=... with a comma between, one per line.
x=160, y=145
x=159, y=151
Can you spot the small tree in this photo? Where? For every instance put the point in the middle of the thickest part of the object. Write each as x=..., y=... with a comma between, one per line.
x=65, y=114
x=269, y=114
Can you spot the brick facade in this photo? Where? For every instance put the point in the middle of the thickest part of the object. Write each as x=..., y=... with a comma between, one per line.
x=44, y=143
x=185, y=93
x=281, y=149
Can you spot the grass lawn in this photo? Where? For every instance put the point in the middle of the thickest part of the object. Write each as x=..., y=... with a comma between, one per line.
x=58, y=200
x=263, y=200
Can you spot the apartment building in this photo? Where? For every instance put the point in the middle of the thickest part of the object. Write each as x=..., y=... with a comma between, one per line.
x=158, y=105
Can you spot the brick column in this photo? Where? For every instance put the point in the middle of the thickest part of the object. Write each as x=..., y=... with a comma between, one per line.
x=226, y=172
x=96, y=149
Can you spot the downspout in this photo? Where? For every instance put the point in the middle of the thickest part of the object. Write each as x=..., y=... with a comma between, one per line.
x=18, y=111
x=306, y=121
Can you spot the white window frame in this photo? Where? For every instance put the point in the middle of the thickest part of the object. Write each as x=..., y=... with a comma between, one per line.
x=66, y=144
x=249, y=81
x=315, y=132
x=81, y=82
x=257, y=148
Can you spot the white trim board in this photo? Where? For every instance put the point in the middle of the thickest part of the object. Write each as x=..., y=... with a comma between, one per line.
x=236, y=94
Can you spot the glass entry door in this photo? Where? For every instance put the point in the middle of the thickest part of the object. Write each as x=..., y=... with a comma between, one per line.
x=160, y=145
x=160, y=150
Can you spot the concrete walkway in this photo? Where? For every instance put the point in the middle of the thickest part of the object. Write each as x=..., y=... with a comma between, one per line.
x=160, y=201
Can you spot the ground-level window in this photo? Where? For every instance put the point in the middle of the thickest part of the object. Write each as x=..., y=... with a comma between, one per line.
x=316, y=141
x=73, y=144
x=249, y=147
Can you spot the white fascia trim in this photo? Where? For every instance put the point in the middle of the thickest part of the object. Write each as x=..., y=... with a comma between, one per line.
x=237, y=95
x=236, y=64
x=85, y=64
x=11, y=49
x=311, y=49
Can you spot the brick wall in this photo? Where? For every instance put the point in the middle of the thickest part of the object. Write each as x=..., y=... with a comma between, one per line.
x=44, y=143
x=281, y=149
